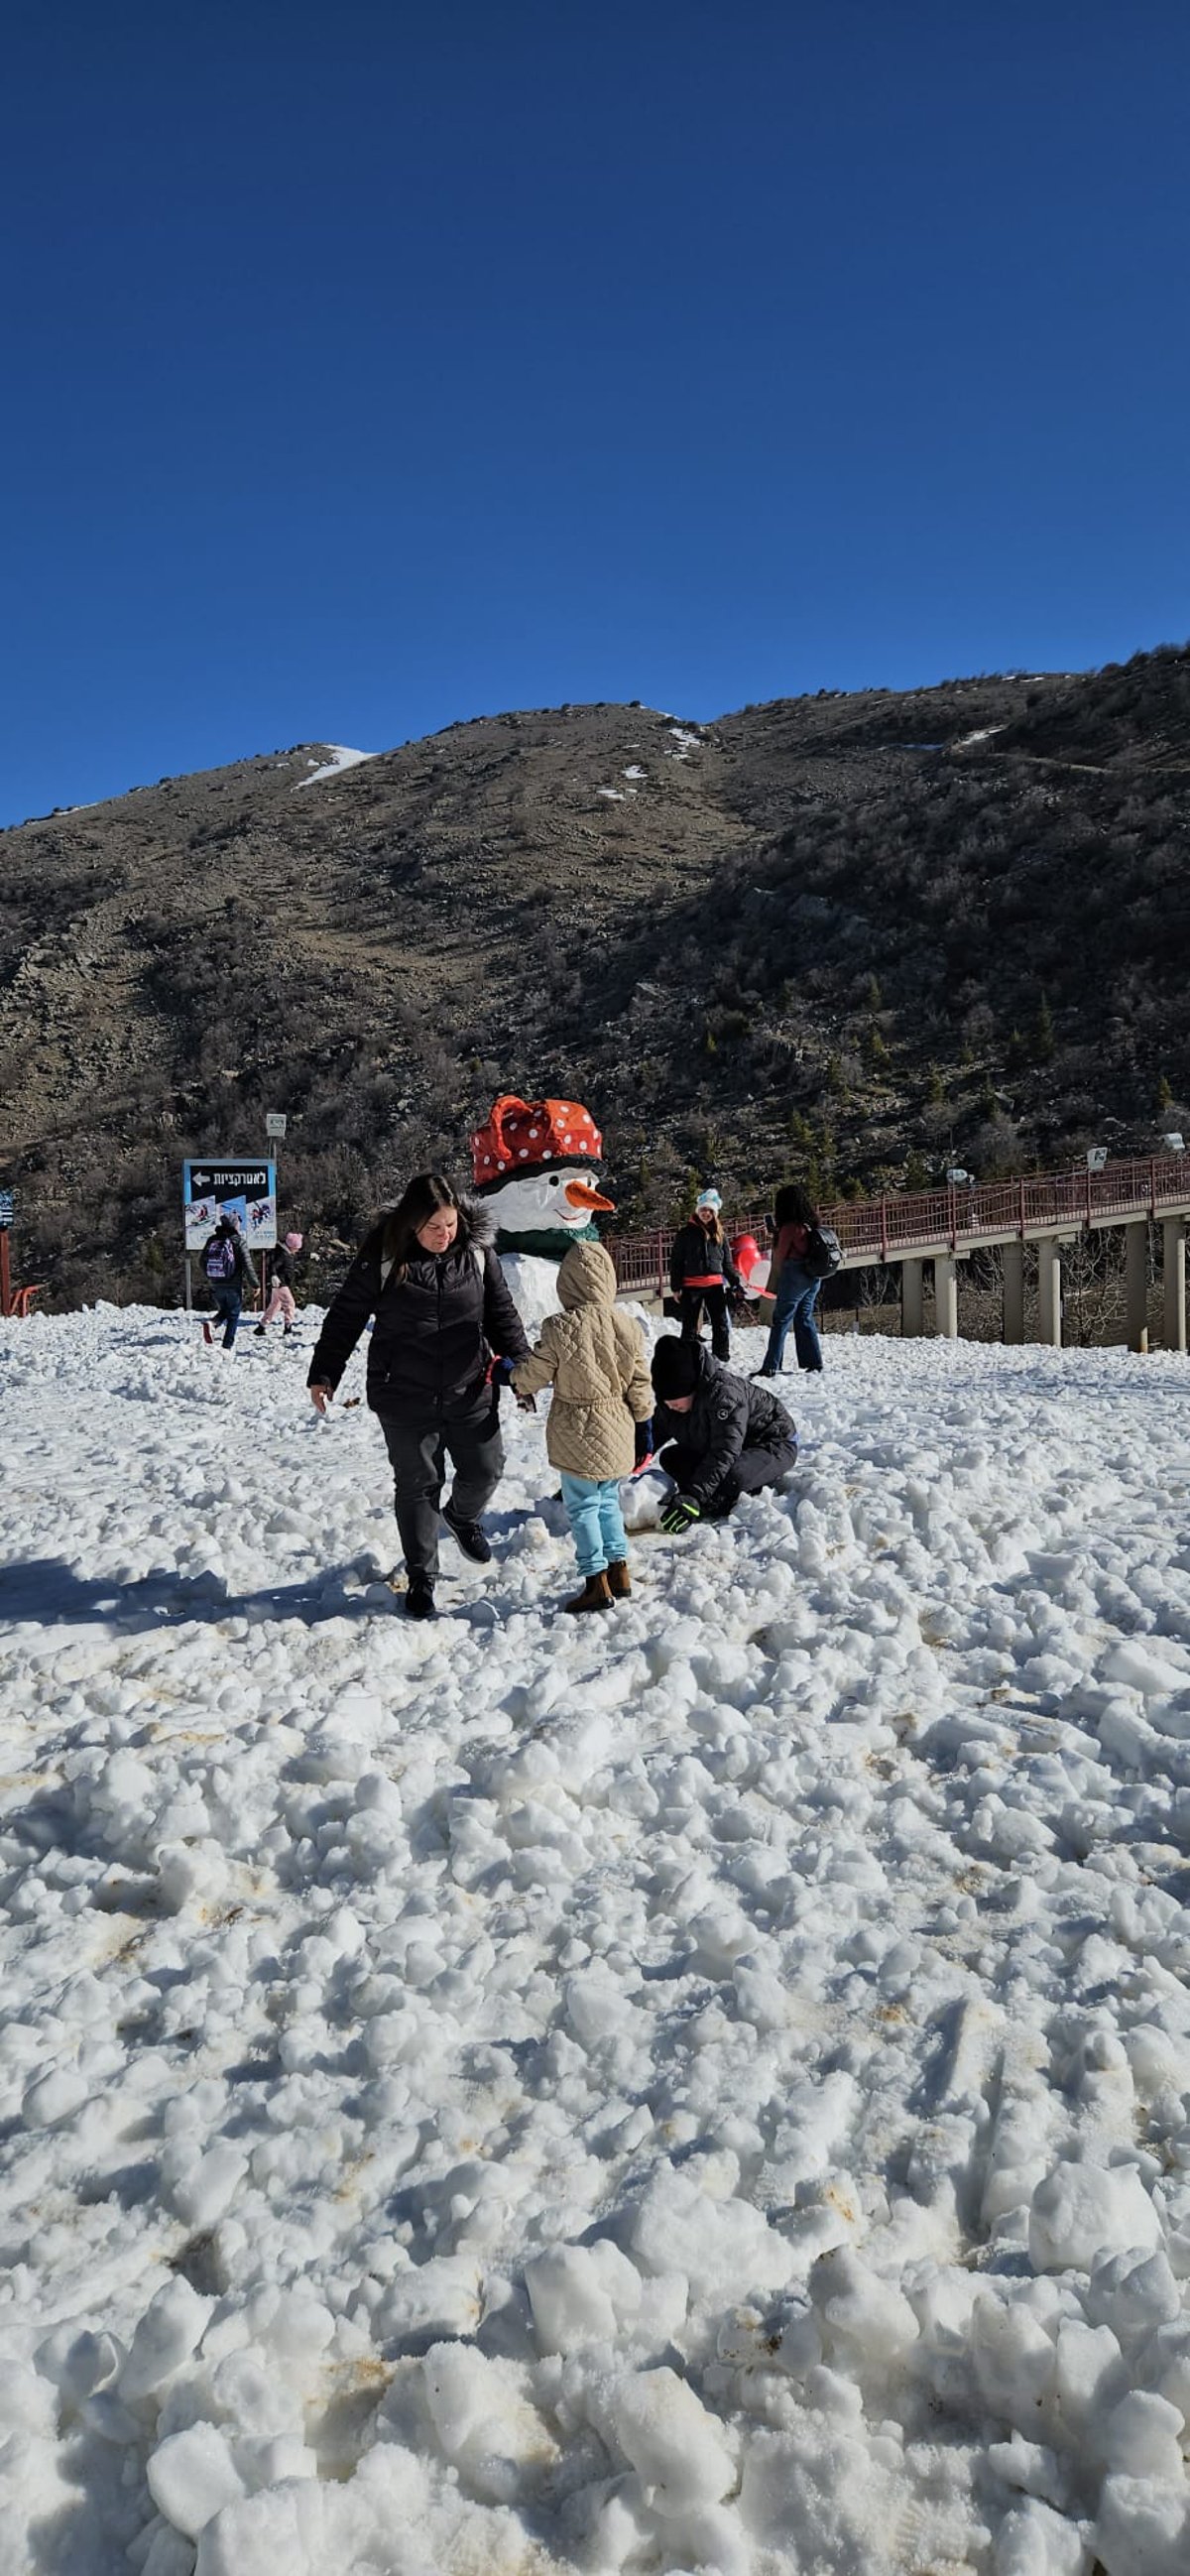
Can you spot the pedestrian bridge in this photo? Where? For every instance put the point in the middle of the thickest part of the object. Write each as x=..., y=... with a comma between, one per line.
x=944, y=1226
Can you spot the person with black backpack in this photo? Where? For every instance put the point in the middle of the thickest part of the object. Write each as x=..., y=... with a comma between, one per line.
x=226, y=1265
x=805, y=1253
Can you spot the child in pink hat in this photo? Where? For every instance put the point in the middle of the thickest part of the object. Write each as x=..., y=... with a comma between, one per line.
x=284, y=1273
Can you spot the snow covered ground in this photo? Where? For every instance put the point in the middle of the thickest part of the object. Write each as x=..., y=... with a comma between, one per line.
x=705, y=2089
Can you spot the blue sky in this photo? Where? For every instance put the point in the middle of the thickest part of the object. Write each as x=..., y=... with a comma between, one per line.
x=369, y=366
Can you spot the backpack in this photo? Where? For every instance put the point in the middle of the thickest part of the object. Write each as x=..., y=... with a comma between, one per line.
x=219, y=1259
x=823, y=1253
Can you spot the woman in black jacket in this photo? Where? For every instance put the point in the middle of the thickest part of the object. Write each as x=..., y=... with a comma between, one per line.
x=443, y=1311
x=701, y=1271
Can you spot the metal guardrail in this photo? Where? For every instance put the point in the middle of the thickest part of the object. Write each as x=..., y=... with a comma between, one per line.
x=906, y=1223
x=642, y=1260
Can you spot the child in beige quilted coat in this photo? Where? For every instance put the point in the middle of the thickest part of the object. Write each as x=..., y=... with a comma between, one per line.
x=594, y=1358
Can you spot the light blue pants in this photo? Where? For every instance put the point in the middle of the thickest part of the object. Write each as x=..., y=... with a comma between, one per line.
x=596, y=1521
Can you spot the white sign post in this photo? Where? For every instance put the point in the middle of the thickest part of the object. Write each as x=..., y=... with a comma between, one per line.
x=274, y=1128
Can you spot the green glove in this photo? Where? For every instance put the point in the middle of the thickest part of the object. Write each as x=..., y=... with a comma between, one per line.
x=679, y=1514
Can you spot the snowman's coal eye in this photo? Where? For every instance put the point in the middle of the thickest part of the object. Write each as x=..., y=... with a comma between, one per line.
x=555, y=1180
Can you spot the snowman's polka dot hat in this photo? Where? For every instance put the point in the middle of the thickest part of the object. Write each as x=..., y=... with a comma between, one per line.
x=522, y=1136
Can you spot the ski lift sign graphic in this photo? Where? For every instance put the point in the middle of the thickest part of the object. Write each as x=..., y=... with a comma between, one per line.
x=247, y=1191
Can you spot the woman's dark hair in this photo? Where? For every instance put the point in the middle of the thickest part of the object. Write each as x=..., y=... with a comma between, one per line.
x=424, y=1194
x=794, y=1206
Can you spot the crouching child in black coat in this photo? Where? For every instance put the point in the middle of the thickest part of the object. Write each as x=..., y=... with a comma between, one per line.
x=723, y=1435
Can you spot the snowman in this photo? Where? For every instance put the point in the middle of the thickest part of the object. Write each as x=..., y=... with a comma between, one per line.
x=534, y=1164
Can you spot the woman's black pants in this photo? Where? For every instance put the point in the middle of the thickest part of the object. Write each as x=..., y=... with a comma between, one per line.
x=419, y=1446
x=715, y=1301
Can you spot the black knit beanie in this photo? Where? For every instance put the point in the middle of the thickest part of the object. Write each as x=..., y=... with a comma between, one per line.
x=675, y=1367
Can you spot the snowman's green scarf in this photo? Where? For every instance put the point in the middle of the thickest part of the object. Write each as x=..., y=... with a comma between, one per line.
x=550, y=1241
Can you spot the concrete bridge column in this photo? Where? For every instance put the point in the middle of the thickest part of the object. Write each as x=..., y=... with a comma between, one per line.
x=912, y=1301
x=946, y=1297
x=1049, y=1292
x=1173, y=1280
x=1136, y=1283
x=1014, y=1292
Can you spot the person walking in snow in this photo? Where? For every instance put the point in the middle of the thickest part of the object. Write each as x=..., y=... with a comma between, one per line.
x=599, y=1424
x=226, y=1264
x=443, y=1311
x=282, y=1301
x=701, y=1271
x=722, y=1435
x=793, y=1287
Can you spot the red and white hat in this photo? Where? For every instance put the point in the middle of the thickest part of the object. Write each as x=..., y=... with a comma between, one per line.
x=525, y=1135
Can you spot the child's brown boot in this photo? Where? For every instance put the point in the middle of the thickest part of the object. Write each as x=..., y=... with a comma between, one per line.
x=619, y=1580
x=595, y=1595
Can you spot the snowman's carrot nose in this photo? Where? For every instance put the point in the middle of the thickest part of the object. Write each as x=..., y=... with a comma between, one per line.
x=581, y=1195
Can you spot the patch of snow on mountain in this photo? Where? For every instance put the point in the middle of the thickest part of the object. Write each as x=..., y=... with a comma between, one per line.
x=341, y=759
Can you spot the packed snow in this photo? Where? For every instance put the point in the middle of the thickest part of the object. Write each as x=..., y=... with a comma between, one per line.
x=341, y=758
x=703, y=2088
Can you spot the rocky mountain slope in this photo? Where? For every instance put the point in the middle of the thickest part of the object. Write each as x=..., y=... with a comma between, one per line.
x=854, y=935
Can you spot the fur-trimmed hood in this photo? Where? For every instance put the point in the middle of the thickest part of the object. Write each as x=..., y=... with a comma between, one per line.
x=477, y=1226
x=439, y=1319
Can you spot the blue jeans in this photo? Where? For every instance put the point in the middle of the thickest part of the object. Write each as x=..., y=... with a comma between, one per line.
x=228, y=1302
x=796, y=1297
x=596, y=1521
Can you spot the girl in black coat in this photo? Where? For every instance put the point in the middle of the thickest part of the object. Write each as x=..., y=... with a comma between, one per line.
x=443, y=1313
x=701, y=1271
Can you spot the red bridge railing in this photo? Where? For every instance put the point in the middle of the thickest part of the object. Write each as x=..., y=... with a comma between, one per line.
x=962, y=1214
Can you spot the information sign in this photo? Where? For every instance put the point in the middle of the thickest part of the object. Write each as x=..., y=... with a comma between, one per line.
x=248, y=1191
x=6, y=1207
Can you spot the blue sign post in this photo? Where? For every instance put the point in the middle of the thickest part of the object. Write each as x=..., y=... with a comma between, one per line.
x=215, y=1186
x=248, y=1191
